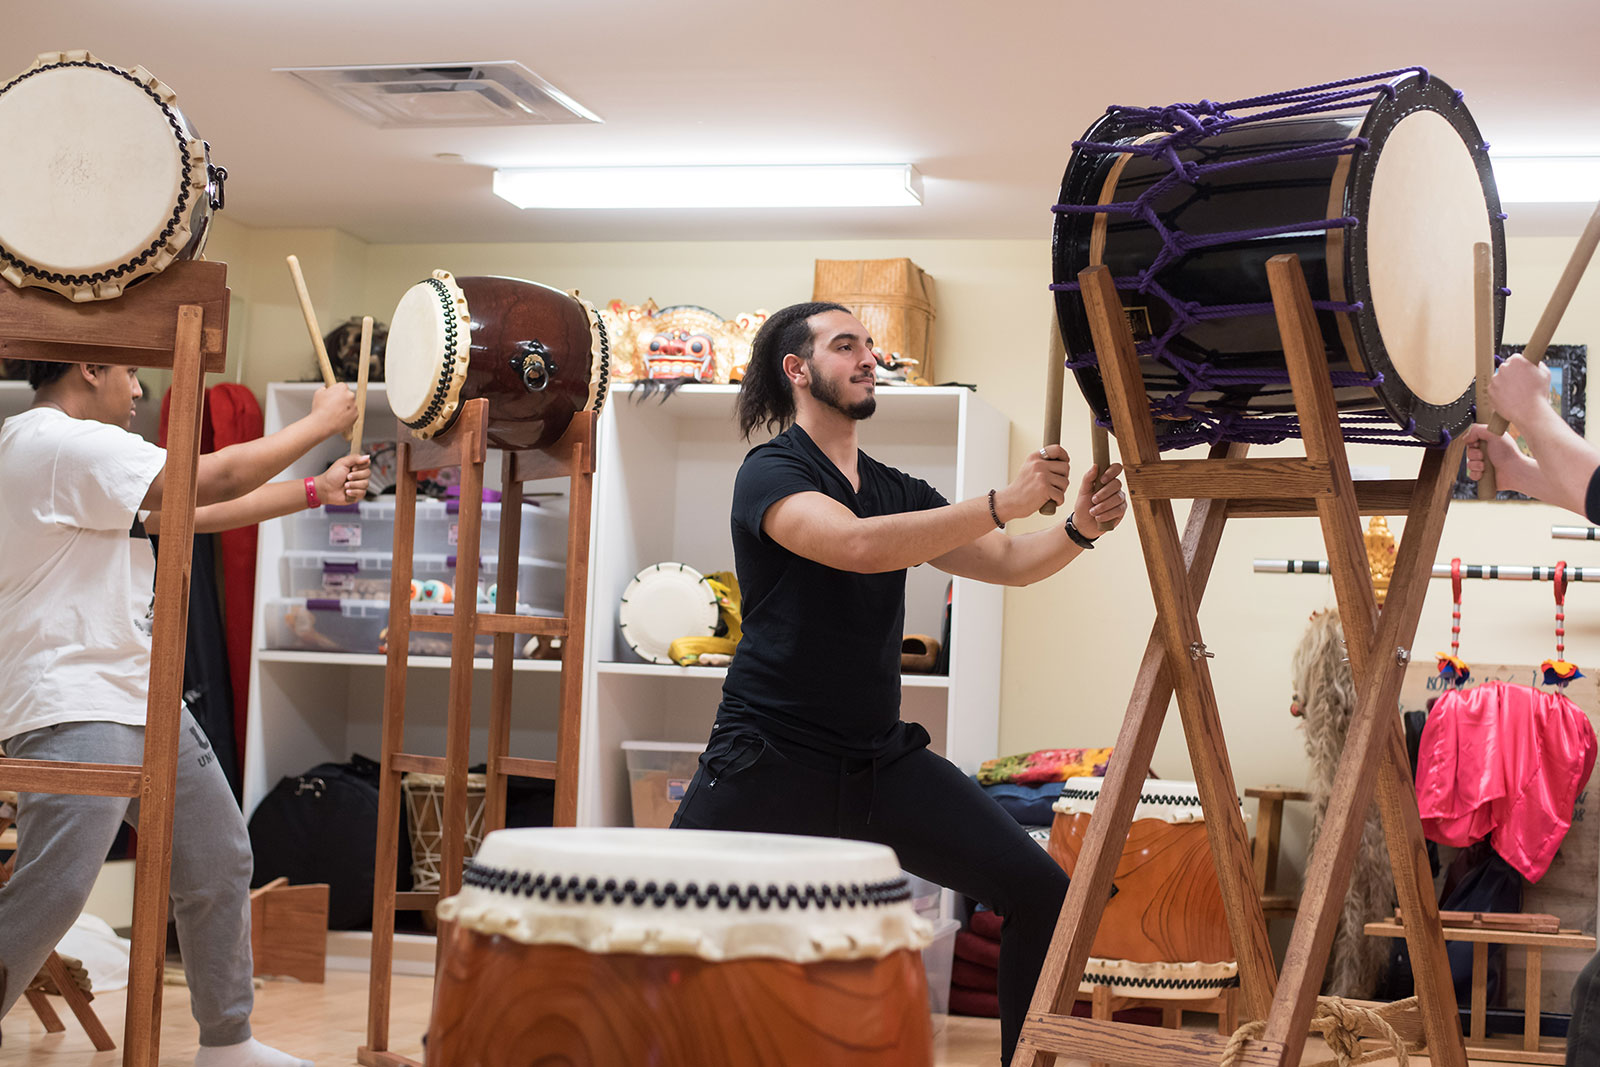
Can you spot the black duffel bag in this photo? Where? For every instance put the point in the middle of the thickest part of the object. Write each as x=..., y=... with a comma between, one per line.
x=322, y=826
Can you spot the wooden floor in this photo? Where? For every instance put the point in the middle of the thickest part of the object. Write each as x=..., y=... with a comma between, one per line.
x=326, y=1023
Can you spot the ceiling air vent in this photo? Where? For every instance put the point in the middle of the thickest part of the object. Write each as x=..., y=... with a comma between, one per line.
x=445, y=94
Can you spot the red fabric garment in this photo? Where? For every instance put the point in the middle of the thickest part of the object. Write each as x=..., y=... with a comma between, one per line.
x=969, y=975
x=986, y=924
x=1507, y=762
x=232, y=415
x=974, y=949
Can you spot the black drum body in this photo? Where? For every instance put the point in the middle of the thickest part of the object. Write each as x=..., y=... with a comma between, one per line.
x=1189, y=253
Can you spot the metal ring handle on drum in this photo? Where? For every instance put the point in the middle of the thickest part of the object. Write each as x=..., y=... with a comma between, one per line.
x=533, y=365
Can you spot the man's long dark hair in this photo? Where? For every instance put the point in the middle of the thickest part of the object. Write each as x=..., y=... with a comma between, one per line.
x=766, y=399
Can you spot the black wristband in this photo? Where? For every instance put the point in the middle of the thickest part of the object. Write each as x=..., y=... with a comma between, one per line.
x=993, y=514
x=1078, y=537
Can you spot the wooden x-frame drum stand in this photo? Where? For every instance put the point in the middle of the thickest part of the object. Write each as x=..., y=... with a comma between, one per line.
x=1225, y=486
x=177, y=319
x=465, y=445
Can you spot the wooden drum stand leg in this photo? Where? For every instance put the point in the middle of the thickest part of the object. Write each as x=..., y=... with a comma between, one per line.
x=1224, y=486
x=465, y=446
x=176, y=319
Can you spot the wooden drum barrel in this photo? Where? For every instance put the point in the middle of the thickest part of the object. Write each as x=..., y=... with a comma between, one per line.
x=679, y=948
x=1164, y=932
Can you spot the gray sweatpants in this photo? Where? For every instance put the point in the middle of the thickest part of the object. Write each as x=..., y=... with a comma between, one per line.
x=62, y=843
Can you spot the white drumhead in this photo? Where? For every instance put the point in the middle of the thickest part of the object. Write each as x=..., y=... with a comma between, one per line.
x=1167, y=801
x=427, y=353
x=703, y=893
x=663, y=603
x=1427, y=211
x=92, y=170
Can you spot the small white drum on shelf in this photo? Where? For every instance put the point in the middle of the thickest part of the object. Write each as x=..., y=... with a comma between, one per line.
x=105, y=180
x=537, y=354
x=679, y=948
x=663, y=603
x=1164, y=933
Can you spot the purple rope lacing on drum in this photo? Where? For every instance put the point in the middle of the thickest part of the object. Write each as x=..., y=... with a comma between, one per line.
x=1184, y=424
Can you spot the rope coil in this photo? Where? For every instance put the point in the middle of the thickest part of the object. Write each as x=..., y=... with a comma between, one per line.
x=1340, y=1023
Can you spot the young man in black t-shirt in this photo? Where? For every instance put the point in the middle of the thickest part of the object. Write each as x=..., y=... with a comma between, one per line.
x=1564, y=469
x=808, y=737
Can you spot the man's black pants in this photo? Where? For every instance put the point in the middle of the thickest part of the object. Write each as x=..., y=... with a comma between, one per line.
x=937, y=820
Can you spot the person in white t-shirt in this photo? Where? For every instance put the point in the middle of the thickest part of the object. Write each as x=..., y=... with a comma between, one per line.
x=78, y=492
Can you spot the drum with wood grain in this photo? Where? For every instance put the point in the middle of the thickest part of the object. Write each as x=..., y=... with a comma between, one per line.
x=539, y=355
x=1165, y=931
x=679, y=948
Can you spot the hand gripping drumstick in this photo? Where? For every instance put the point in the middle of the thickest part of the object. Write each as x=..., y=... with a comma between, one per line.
x=1055, y=376
x=1483, y=345
x=1559, y=299
x=311, y=322
x=361, y=385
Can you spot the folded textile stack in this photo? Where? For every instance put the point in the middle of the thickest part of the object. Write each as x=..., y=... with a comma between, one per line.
x=975, y=973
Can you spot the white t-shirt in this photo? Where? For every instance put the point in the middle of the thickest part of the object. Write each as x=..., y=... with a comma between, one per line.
x=76, y=571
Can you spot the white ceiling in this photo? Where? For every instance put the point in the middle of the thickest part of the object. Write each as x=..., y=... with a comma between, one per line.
x=985, y=98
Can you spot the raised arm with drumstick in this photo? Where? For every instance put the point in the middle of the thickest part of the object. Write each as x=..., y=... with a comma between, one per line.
x=809, y=737
x=1562, y=467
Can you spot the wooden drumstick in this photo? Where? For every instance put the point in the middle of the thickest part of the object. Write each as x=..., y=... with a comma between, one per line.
x=361, y=385
x=328, y=377
x=1100, y=443
x=1559, y=299
x=1483, y=346
x=1055, y=378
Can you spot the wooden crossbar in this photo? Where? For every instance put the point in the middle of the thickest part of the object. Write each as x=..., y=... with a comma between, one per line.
x=1176, y=660
x=465, y=446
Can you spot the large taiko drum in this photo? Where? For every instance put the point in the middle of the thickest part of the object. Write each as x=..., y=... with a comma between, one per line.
x=539, y=355
x=679, y=948
x=1164, y=932
x=105, y=181
x=1381, y=185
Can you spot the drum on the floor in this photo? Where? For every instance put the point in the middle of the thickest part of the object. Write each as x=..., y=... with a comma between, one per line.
x=679, y=948
x=1164, y=932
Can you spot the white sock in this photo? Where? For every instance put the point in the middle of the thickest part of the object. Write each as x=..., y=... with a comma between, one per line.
x=249, y=1053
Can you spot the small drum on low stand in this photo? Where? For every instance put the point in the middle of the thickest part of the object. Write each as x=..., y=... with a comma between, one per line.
x=1381, y=185
x=679, y=948
x=538, y=355
x=1164, y=934
x=424, y=805
x=105, y=181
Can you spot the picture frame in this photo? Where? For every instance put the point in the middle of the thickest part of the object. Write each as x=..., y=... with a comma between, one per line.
x=1569, y=382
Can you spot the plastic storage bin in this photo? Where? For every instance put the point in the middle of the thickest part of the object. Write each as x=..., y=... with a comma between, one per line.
x=369, y=527
x=658, y=776
x=938, y=960
x=320, y=624
x=541, y=584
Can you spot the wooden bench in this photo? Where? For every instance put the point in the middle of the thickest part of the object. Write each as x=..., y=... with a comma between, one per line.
x=1534, y=933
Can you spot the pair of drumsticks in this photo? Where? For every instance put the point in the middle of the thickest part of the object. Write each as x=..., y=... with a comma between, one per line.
x=322, y=353
x=1483, y=285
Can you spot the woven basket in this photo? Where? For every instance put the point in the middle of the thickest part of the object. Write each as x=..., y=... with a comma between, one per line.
x=893, y=298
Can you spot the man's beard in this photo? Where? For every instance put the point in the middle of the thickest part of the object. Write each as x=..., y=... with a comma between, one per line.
x=826, y=391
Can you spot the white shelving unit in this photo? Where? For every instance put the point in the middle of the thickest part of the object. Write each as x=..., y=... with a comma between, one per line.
x=315, y=707
x=663, y=491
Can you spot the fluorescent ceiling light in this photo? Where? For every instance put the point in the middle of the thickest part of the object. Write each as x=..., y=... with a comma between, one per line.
x=849, y=185
x=1547, y=179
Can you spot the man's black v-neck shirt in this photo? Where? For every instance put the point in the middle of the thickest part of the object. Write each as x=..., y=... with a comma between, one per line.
x=819, y=662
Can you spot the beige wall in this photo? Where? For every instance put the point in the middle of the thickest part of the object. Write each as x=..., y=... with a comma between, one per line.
x=1073, y=642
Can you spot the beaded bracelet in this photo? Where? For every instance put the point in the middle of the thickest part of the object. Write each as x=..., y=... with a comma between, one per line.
x=993, y=514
